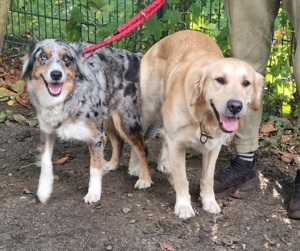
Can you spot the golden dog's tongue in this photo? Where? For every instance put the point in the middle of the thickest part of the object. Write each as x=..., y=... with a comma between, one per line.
x=54, y=88
x=230, y=124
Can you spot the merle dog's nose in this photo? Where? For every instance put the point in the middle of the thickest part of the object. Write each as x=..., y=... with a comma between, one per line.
x=56, y=75
x=234, y=106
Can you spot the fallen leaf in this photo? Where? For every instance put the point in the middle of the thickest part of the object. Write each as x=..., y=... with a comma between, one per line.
x=267, y=128
x=26, y=191
x=32, y=122
x=19, y=118
x=6, y=93
x=23, y=99
x=132, y=221
x=61, y=161
x=126, y=210
x=285, y=138
x=18, y=86
x=165, y=246
x=56, y=178
x=10, y=102
x=271, y=242
x=288, y=157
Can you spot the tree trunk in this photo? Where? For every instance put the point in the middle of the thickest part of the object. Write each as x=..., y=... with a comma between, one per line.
x=4, y=8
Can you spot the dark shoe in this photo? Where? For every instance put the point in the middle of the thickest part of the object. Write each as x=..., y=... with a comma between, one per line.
x=294, y=207
x=240, y=174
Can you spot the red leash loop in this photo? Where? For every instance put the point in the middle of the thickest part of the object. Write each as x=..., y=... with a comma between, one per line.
x=129, y=26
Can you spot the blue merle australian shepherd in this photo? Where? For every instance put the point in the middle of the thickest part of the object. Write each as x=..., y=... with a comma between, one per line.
x=81, y=99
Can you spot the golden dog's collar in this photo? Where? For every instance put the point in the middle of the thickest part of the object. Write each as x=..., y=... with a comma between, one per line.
x=203, y=135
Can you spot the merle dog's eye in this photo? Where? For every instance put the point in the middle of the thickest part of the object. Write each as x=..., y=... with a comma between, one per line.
x=66, y=58
x=43, y=56
x=221, y=80
x=246, y=83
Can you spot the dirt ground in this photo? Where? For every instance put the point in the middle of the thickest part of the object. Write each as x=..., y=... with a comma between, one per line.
x=130, y=219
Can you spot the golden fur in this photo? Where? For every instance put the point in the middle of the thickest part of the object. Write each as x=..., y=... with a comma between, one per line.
x=199, y=96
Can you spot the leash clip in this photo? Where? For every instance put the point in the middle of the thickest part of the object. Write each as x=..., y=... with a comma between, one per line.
x=87, y=55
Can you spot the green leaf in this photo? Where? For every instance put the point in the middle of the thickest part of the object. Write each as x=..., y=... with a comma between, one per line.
x=18, y=86
x=76, y=16
x=4, y=98
x=19, y=118
x=73, y=32
x=172, y=16
x=100, y=5
x=154, y=28
x=173, y=1
x=97, y=4
x=32, y=122
x=2, y=116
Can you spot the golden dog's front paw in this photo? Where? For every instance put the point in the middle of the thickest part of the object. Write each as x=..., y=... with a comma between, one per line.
x=184, y=211
x=211, y=206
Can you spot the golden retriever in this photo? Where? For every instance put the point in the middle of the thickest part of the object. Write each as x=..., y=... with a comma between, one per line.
x=199, y=97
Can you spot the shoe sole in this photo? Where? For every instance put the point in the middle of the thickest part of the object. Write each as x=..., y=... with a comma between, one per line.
x=246, y=186
x=294, y=215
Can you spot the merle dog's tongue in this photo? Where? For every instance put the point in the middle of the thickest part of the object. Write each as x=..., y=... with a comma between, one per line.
x=230, y=124
x=55, y=88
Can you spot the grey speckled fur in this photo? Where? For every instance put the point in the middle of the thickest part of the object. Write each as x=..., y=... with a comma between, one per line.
x=108, y=79
x=78, y=98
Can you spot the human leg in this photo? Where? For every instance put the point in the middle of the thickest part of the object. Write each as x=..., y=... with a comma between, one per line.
x=293, y=10
x=251, y=25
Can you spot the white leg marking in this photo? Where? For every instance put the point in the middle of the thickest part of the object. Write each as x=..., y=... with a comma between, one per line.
x=134, y=164
x=46, y=179
x=95, y=186
x=45, y=186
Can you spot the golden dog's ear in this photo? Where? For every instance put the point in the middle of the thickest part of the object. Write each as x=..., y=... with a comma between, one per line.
x=257, y=92
x=198, y=83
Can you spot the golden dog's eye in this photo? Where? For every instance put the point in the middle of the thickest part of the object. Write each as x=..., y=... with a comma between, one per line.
x=221, y=80
x=246, y=83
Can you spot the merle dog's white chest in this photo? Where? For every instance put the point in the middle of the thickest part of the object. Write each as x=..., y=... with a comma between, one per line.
x=54, y=121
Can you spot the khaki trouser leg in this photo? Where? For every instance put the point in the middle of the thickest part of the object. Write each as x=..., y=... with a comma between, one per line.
x=251, y=24
x=293, y=10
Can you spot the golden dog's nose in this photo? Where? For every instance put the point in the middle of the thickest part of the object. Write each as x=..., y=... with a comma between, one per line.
x=234, y=106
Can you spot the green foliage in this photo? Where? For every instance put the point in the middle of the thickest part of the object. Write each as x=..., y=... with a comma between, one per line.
x=280, y=85
x=74, y=25
x=283, y=127
x=95, y=20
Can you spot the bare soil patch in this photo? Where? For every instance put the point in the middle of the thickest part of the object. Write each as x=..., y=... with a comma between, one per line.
x=130, y=219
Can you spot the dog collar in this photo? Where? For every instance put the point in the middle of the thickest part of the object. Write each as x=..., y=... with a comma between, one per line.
x=203, y=135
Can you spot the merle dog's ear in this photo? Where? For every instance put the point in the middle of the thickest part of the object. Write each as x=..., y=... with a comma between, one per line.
x=28, y=61
x=79, y=62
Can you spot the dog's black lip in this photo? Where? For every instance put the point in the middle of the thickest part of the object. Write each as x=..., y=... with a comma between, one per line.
x=218, y=117
x=46, y=83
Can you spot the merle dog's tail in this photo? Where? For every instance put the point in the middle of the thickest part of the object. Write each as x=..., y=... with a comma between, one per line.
x=151, y=132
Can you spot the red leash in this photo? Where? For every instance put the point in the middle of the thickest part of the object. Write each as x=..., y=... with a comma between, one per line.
x=128, y=27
